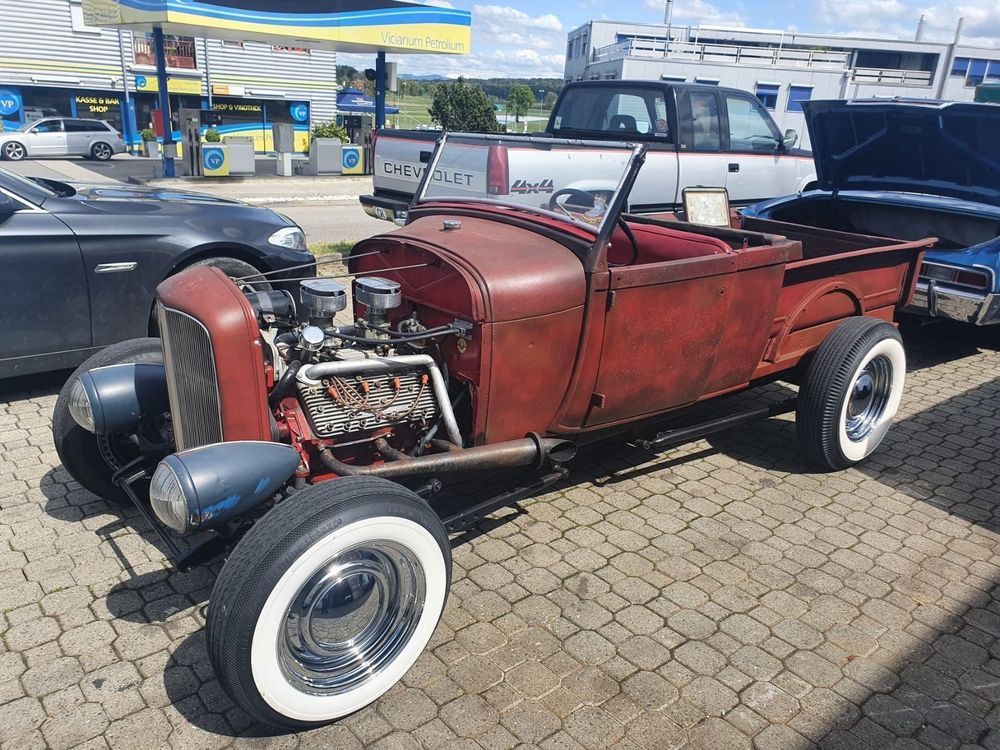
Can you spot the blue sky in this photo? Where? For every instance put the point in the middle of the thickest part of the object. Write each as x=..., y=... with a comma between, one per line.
x=523, y=38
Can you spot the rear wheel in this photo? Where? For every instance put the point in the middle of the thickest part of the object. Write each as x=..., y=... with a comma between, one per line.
x=93, y=459
x=328, y=601
x=13, y=151
x=101, y=151
x=851, y=393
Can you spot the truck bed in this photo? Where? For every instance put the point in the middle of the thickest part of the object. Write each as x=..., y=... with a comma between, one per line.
x=740, y=305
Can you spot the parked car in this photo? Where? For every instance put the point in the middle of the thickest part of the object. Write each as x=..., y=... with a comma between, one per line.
x=909, y=169
x=80, y=264
x=694, y=135
x=61, y=137
x=489, y=335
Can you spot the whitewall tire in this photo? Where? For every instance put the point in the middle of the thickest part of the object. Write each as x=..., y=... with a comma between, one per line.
x=328, y=601
x=851, y=393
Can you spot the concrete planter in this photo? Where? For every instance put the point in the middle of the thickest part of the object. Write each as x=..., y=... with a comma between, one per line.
x=151, y=149
x=325, y=156
x=242, y=158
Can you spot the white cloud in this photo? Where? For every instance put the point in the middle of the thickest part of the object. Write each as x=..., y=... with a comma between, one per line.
x=697, y=12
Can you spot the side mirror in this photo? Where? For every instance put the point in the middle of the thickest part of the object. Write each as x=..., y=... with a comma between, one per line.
x=790, y=139
x=8, y=206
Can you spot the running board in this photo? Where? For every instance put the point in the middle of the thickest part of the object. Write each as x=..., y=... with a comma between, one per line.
x=704, y=429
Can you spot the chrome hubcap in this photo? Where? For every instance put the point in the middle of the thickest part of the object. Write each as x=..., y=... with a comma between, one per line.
x=102, y=152
x=14, y=151
x=868, y=398
x=352, y=618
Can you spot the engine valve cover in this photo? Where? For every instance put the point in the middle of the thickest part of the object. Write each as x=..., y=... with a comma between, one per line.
x=362, y=403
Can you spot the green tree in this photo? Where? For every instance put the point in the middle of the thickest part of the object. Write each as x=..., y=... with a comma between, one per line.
x=550, y=99
x=520, y=101
x=459, y=106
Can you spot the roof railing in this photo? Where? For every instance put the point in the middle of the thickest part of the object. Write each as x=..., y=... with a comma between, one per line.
x=724, y=53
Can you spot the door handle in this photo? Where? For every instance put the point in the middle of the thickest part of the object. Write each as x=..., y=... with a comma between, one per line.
x=734, y=166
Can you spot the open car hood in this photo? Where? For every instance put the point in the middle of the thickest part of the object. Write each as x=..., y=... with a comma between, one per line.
x=938, y=148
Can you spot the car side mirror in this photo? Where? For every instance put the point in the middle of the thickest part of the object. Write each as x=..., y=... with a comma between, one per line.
x=790, y=139
x=8, y=206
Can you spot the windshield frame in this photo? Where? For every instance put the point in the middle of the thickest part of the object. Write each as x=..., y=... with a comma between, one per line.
x=621, y=190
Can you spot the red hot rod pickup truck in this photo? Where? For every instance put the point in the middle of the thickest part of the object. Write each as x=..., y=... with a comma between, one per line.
x=488, y=335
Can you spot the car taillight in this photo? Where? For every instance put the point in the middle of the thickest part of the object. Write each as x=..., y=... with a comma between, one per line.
x=972, y=278
x=497, y=171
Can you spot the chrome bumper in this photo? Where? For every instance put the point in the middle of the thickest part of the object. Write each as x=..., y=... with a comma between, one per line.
x=930, y=298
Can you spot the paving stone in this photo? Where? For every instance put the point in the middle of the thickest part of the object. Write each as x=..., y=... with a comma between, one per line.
x=726, y=595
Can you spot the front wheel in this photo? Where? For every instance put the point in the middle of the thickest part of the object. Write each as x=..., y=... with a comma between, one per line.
x=328, y=601
x=92, y=460
x=851, y=393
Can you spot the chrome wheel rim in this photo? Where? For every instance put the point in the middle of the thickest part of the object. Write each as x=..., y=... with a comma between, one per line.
x=868, y=398
x=102, y=152
x=352, y=618
x=14, y=151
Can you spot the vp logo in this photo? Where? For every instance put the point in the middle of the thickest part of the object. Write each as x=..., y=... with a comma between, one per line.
x=10, y=102
x=213, y=159
x=351, y=159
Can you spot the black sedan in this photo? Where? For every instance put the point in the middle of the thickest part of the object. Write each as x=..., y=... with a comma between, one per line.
x=79, y=264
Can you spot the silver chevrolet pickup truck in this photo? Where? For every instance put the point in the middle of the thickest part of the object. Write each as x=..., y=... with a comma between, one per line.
x=695, y=135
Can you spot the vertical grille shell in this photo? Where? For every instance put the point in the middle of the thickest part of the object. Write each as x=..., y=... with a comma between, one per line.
x=214, y=360
x=192, y=382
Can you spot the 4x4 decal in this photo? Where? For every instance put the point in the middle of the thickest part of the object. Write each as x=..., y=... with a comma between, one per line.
x=528, y=188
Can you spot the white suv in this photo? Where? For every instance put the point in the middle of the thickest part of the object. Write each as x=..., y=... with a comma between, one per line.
x=62, y=137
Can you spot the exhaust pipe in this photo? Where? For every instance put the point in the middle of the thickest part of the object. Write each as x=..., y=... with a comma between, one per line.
x=533, y=450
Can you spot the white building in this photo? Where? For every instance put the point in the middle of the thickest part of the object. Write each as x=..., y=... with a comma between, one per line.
x=51, y=63
x=782, y=68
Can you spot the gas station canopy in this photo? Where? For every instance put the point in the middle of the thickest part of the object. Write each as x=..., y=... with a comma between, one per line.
x=357, y=101
x=342, y=25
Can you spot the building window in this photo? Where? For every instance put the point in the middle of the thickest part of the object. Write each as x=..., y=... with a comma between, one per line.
x=707, y=81
x=231, y=43
x=76, y=18
x=569, y=49
x=282, y=48
x=960, y=67
x=673, y=79
x=179, y=50
x=993, y=72
x=768, y=94
x=977, y=73
x=797, y=95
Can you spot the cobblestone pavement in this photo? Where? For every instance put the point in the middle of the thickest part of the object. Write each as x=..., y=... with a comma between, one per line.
x=720, y=596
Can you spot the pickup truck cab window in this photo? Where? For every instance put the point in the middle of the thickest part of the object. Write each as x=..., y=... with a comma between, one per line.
x=750, y=128
x=630, y=112
x=705, y=129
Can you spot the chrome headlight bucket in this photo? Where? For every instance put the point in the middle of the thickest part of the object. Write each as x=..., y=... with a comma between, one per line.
x=204, y=487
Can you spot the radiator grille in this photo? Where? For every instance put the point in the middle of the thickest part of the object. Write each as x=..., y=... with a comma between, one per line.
x=191, y=380
x=413, y=402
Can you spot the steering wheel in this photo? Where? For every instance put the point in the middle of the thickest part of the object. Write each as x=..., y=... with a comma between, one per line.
x=554, y=205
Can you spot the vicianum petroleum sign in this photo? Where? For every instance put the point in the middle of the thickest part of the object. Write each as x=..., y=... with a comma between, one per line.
x=345, y=25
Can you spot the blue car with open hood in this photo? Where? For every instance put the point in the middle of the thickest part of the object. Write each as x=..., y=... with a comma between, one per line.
x=908, y=169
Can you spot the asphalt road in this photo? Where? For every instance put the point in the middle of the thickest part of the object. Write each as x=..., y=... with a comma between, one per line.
x=334, y=223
